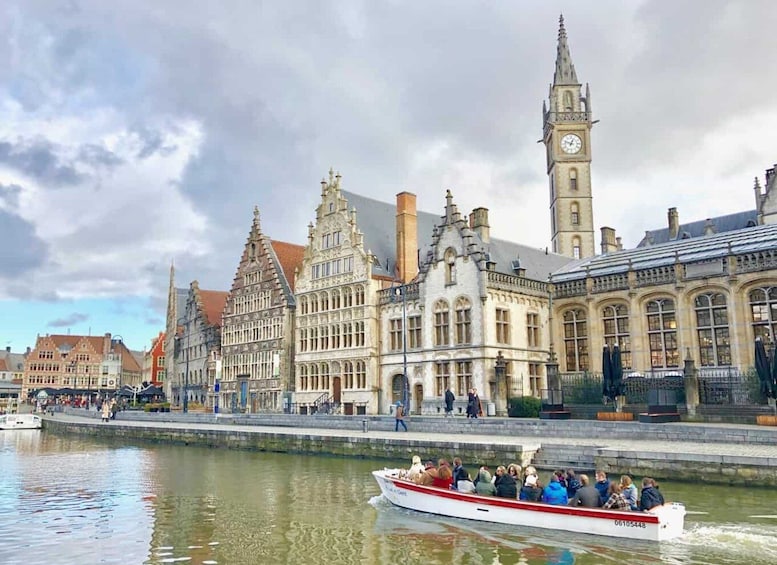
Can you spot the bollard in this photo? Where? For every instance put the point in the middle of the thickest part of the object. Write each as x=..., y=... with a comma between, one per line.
x=364, y=426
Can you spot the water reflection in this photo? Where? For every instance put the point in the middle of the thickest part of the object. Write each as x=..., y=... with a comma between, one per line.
x=71, y=500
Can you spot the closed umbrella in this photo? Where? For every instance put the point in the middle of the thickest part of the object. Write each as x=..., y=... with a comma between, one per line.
x=617, y=371
x=762, y=367
x=606, y=374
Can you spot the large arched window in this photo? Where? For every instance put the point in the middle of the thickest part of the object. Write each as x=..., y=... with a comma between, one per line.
x=347, y=297
x=359, y=295
x=615, y=319
x=450, y=266
x=303, y=377
x=662, y=333
x=576, y=340
x=335, y=299
x=763, y=307
x=348, y=374
x=712, y=330
x=324, y=298
x=441, y=323
x=463, y=321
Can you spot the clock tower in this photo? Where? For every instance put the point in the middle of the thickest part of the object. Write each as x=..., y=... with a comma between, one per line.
x=567, y=136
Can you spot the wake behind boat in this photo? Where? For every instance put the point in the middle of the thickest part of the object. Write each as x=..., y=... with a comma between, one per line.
x=20, y=422
x=660, y=524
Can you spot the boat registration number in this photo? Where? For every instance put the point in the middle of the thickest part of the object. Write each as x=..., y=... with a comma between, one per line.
x=629, y=524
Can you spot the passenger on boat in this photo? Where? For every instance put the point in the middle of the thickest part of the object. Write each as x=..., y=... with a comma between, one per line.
x=531, y=491
x=554, y=493
x=514, y=470
x=651, y=496
x=427, y=477
x=415, y=469
x=586, y=496
x=459, y=472
x=505, y=484
x=602, y=485
x=629, y=492
x=573, y=483
x=616, y=500
x=562, y=478
x=529, y=471
x=444, y=478
x=483, y=484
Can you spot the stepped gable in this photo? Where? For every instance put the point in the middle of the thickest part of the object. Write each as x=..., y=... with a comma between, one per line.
x=210, y=303
x=719, y=224
x=289, y=257
x=378, y=221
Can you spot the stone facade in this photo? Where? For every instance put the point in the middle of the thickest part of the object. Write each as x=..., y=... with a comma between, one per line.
x=257, y=344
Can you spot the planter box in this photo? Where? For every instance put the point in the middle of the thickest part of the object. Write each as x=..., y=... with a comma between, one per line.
x=615, y=416
x=764, y=420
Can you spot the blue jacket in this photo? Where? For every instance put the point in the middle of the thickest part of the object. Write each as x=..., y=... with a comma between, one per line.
x=554, y=493
x=603, y=487
x=651, y=497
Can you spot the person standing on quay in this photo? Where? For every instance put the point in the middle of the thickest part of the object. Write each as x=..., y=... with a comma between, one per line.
x=449, y=398
x=399, y=417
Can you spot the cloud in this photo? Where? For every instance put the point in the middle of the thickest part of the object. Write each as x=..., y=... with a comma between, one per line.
x=71, y=320
x=23, y=251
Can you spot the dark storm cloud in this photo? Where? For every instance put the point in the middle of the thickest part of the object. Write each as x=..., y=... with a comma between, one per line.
x=22, y=250
x=71, y=320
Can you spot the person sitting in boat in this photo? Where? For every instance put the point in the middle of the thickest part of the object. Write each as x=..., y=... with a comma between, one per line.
x=616, y=500
x=651, y=497
x=444, y=478
x=514, y=470
x=459, y=472
x=573, y=483
x=483, y=484
x=427, y=477
x=586, y=496
x=529, y=471
x=416, y=468
x=562, y=478
x=554, y=493
x=602, y=485
x=505, y=484
x=629, y=492
x=531, y=491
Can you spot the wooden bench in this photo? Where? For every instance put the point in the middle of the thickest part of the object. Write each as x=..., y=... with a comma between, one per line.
x=764, y=420
x=615, y=416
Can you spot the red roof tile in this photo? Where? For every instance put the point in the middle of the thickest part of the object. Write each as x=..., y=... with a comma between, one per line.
x=290, y=257
x=213, y=302
x=3, y=366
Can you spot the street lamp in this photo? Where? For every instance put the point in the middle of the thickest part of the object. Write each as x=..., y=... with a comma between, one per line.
x=402, y=290
x=502, y=393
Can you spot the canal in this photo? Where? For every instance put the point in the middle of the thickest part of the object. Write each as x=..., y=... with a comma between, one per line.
x=66, y=499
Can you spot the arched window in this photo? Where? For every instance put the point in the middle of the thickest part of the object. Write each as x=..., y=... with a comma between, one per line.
x=662, y=333
x=441, y=323
x=359, y=295
x=573, y=179
x=303, y=377
x=450, y=266
x=347, y=297
x=576, y=340
x=325, y=376
x=398, y=386
x=335, y=299
x=314, y=377
x=712, y=330
x=313, y=303
x=763, y=308
x=303, y=305
x=324, y=298
x=576, y=247
x=574, y=215
x=348, y=374
x=615, y=320
x=361, y=375
x=463, y=322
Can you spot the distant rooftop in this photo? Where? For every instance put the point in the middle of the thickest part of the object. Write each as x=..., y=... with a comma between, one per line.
x=719, y=224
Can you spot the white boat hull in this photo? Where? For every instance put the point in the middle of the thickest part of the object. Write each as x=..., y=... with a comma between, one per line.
x=20, y=422
x=660, y=524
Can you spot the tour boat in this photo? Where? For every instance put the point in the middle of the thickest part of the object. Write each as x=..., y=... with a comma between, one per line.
x=20, y=422
x=659, y=524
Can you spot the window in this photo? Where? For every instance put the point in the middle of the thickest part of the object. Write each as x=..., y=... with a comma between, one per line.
x=662, y=333
x=414, y=332
x=442, y=370
x=347, y=297
x=395, y=334
x=576, y=340
x=314, y=377
x=324, y=301
x=361, y=374
x=463, y=322
x=576, y=247
x=463, y=377
x=763, y=306
x=441, y=323
x=575, y=214
x=573, y=179
x=160, y=361
x=533, y=329
x=325, y=376
x=359, y=295
x=712, y=329
x=359, y=327
x=335, y=333
x=450, y=266
x=335, y=299
x=502, y=325
x=348, y=374
x=535, y=379
x=615, y=321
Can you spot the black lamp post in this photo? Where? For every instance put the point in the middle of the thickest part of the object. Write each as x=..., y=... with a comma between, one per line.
x=502, y=392
x=402, y=290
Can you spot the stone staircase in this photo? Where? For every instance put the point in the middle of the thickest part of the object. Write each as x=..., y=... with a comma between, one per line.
x=553, y=456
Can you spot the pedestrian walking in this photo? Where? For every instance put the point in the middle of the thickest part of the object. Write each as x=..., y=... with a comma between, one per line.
x=399, y=417
x=449, y=398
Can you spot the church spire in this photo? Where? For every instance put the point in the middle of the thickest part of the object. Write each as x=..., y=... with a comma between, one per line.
x=565, y=70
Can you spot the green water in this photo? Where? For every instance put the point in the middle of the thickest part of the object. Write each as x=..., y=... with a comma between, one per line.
x=66, y=499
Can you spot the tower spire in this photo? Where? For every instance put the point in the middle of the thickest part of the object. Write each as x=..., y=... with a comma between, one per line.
x=565, y=70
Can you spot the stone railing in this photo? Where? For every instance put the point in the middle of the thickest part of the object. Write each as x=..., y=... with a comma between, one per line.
x=503, y=281
x=758, y=261
x=657, y=275
x=394, y=294
x=570, y=289
x=567, y=117
x=610, y=283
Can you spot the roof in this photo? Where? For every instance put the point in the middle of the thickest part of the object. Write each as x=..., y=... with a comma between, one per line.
x=13, y=361
x=129, y=361
x=377, y=220
x=213, y=302
x=704, y=248
x=720, y=224
x=290, y=257
x=3, y=365
x=66, y=342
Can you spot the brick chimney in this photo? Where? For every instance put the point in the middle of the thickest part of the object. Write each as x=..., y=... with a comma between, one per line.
x=478, y=222
x=674, y=223
x=407, y=237
x=107, y=344
x=609, y=242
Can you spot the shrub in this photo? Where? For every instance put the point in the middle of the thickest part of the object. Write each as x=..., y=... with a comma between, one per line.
x=524, y=407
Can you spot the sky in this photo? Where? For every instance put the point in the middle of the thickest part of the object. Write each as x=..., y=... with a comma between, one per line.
x=134, y=134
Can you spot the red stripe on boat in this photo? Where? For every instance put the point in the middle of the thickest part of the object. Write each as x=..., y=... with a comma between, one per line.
x=532, y=506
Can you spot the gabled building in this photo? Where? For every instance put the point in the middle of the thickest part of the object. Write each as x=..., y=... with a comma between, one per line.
x=154, y=362
x=257, y=338
x=176, y=306
x=197, y=348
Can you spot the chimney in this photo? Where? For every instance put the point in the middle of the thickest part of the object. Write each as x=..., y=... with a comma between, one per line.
x=407, y=237
x=620, y=243
x=674, y=223
x=8, y=349
x=478, y=222
x=609, y=243
x=107, y=344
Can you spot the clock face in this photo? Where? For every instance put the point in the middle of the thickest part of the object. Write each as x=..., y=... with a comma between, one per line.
x=571, y=143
